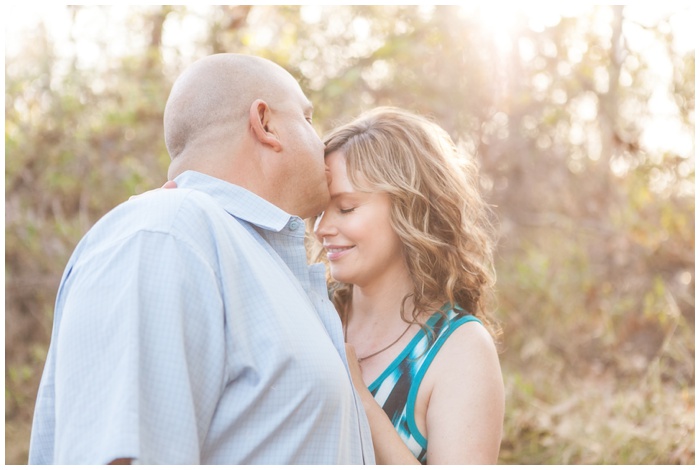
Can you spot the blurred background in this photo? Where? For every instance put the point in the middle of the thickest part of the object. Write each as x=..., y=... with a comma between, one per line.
x=582, y=119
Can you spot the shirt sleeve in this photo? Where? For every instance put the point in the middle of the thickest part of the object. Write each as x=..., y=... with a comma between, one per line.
x=140, y=360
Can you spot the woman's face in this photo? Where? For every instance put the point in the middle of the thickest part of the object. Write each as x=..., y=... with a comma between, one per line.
x=361, y=245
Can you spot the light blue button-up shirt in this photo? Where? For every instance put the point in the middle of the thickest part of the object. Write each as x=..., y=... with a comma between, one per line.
x=189, y=329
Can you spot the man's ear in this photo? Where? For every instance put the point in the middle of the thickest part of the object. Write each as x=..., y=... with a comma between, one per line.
x=260, y=123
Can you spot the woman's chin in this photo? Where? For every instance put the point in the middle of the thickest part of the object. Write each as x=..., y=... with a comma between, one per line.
x=339, y=276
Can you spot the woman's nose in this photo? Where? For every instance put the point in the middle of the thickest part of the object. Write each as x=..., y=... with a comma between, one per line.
x=323, y=227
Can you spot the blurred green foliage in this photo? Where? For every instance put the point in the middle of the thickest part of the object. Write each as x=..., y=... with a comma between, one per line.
x=596, y=260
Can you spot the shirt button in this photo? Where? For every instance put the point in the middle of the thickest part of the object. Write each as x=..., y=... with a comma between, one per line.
x=293, y=225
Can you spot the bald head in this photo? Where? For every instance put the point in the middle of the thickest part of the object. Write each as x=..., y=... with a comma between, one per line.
x=246, y=121
x=209, y=103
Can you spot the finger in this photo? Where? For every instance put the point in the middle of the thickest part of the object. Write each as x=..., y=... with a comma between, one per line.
x=350, y=351
x=169, y=185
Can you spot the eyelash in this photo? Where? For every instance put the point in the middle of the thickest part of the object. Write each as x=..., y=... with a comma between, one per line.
x=346, y=211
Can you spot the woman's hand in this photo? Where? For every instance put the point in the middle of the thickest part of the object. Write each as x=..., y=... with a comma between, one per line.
x=388, y=446
x=356, y=372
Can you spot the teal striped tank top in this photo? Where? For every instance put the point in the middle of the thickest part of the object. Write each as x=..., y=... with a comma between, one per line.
x=397, y=387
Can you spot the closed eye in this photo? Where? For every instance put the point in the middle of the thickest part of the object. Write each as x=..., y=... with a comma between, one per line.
x=347, y=211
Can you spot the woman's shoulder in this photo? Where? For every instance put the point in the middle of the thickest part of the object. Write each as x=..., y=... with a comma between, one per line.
x=467, y=344
x=470, y=336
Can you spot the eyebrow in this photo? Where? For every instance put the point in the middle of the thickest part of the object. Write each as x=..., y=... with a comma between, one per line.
x=344, y=193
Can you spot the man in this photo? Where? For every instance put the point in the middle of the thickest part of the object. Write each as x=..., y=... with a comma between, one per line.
x=188, y=327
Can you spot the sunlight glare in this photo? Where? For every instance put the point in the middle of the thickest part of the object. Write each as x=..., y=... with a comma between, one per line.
x=504, y=23
x=22, y=18
x=500, y=23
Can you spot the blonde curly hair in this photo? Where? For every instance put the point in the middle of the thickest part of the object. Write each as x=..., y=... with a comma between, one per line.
x=436, y=208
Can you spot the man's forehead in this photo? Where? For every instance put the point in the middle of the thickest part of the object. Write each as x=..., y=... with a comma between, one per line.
x=308, y=105
x=298, y=98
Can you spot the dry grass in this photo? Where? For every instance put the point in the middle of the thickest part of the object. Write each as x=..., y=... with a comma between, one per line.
x=595, y=374
x=553, y=418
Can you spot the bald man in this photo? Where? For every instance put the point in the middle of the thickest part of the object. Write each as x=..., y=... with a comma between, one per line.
x=188, y=327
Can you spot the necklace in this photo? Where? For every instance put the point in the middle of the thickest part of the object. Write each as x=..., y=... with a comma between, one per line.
x=360, y=359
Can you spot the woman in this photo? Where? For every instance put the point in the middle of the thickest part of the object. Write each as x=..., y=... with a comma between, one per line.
x=409, y=245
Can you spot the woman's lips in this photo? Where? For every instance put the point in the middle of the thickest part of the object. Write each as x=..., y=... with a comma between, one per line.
x=334, y=252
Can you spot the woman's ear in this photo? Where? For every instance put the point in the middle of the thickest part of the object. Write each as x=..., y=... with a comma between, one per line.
x=260, y=116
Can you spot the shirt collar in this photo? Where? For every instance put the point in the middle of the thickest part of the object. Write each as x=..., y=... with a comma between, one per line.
x=237, y=201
